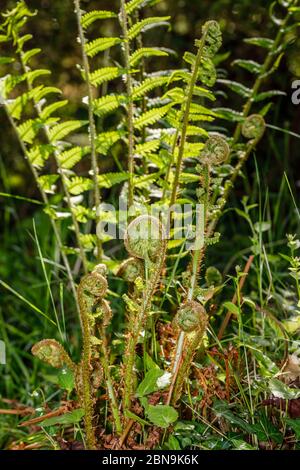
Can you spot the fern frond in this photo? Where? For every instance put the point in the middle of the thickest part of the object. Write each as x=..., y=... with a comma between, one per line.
x=250, y=65
x=104, y=74
x=69, y=158
x=29, y=129
x=92, y=16
x=147, y=147
x=47, y=183
x=51, y=108
x=266, y=43
x=146, y=24
x=108, y=104
x=152, y=116
x=79, y=184
x=237, y=87
x=92, y=48
x=63, y=129
x=26, y=56
x=134, y=5
x=143, y=52
x=108, y=180
x=106, y=140
x=39, y=154
x=148, y=85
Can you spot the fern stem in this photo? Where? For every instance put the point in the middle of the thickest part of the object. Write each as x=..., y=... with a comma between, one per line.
x=86, y=371
x=260, y=79
x=137, y=326
x=109, y=384
x=61, y=172
x=92, y=126
x=185, y=123
x=130, y=106
x=47, y=203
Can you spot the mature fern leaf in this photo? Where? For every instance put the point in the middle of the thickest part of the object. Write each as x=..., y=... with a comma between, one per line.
x=92, y=16
x=63, y=129
x=29, y=129
x=268, y=94
x=78, y=185
x=39, y=154
x=83, y=214
x=151, y=116
x=237, y=87
x=26, y=56
x=70, y=157
x=135, y=5
x=106, y=140
x=108, y=180
x=148, y=85
x=146, y=24
x=143, y=52
x=100, y=44
x=108, y=104
x=34, y=74
x=261, y=42
x=250, y=65
x=104, y=74
x=229, y=114
x=47, y=182
x=148, y=147
x=88, y=241
x=51, y=108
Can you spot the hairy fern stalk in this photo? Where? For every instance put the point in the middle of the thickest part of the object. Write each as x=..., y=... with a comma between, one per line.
x=166, y=146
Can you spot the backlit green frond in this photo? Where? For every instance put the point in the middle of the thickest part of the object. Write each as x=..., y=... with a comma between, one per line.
x=146, y=24
x=100, y=44
x=104, y=75
x=92, y=16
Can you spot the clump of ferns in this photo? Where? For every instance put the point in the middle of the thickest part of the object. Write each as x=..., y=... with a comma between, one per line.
x=164, y=138
x=94, y=366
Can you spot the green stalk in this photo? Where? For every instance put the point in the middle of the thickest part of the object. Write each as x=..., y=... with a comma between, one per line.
x=138, y=325
x=111, y=392
x=260, y=79
x=92, y=126
x=186, y=119
x=130, y=106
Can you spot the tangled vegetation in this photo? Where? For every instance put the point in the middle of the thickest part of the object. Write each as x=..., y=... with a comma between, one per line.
x=147, y=338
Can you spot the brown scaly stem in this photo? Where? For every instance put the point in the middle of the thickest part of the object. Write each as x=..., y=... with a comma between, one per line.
x=92, y=126
x=137, y=327
x=130, y=106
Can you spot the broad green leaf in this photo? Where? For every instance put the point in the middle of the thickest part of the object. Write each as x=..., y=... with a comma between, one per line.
x=161, y=415
x=70, y=418
x=66, y=380
x=151, y=117
x=149, y=383
x=232, y=308
x=295, y=425
x=281, y=390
